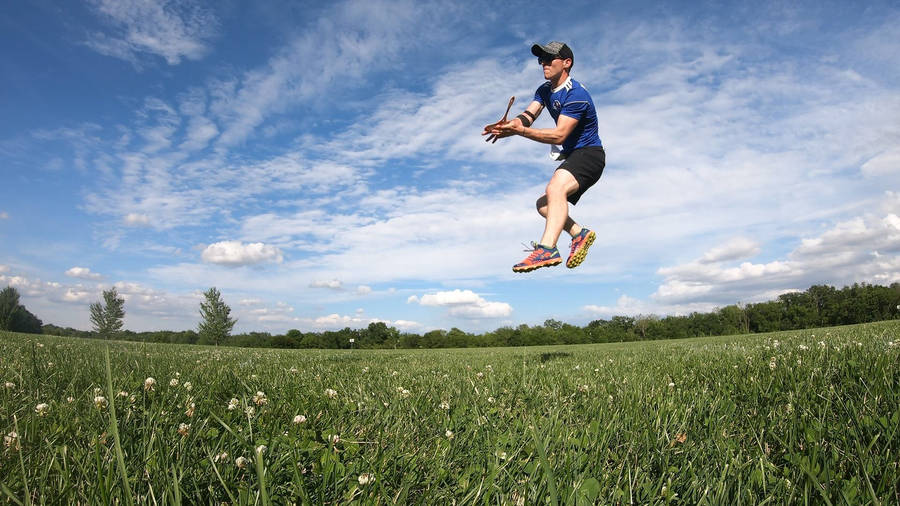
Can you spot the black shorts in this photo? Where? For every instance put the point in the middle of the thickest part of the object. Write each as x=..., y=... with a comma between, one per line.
x=586, y=164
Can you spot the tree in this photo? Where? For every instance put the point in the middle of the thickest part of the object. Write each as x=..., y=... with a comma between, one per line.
x=216, y=324
x=107, y=316
x=9, y=306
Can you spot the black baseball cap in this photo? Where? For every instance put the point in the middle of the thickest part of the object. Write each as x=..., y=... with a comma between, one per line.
x=554, y=48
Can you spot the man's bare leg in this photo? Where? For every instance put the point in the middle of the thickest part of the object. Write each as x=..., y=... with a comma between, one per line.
x=555, y=208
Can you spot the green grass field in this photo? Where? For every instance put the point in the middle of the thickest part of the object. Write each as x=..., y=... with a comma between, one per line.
x=793, y=417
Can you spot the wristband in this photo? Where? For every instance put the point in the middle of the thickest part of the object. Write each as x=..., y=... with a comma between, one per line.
x=526, y=121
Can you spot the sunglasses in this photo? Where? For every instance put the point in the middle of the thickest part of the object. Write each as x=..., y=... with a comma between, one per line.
x=548, y=59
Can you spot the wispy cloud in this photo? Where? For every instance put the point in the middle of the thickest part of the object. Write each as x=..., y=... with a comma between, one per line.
x=171, y=30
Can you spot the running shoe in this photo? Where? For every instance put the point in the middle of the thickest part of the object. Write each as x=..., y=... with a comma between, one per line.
x=580, y=245
x=541, y=256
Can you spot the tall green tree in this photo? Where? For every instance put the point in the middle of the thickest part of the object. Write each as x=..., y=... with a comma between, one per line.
x=216, y=323
x=9, y=306
x=108, y=315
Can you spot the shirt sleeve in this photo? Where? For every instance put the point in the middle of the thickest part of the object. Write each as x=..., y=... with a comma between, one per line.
x=575, y=107
x=539, y=94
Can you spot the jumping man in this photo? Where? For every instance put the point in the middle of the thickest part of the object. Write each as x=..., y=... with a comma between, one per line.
x=574, y=140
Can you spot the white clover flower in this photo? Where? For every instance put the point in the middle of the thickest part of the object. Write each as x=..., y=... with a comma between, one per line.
x=488, y=367
x=331, y=394
x=220, y=457
x=490, y=400
x=672, y=384
x=250, y=411
x=184, y=429
x=188, y=386
x=445, y=405
x=123, y=393
x=366, y=478
x=365, y=369
x=299, y=419
x=173, y=382
x=9, y=384
x=149, y=383
x=803, y=347
x=394, y=373
x=449, y=434
x=240, y=462
x=11, y=440
x=253, y=376
x=334, y=439
x=502, y=455
x=70, y=399
x=772, y=363
x=583, y=388
x=260, y=399
x=294, y=370
x=233, y=404
x=261, y=449
x=190, y=411
x=42, y=409
x=100, y=402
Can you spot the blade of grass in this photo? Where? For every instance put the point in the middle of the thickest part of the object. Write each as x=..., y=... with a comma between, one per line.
x=548, y=471
x=22, y=462
x=114, y=428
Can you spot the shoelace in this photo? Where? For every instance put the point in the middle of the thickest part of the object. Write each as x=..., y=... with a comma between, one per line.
x=533, y=247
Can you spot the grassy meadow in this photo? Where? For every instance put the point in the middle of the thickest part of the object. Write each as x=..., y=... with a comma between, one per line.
x=792, y=417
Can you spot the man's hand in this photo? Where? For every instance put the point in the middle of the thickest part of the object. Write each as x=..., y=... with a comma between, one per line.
x=489, y=129
x=502, y=129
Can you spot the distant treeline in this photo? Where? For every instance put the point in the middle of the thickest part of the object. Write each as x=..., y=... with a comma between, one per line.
x=819, y=306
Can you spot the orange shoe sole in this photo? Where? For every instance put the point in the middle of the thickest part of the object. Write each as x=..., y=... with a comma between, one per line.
x=546, y=263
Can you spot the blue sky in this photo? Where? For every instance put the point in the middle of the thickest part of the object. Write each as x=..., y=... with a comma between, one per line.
x=322, y=164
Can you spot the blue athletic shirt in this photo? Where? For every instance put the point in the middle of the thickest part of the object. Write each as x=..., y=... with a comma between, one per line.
x=573, y=100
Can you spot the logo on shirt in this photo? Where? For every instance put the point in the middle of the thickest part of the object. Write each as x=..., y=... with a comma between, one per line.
x=556, y=105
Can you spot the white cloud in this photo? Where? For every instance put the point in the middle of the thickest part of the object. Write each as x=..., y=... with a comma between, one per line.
x=79, y=295
x=363, y=290
x=334, y=284
x=464, y=304
x=236, y=253
x=865, y=248
x=337, y=321
x=82, y=273
x=4, y=268
x=4, y=215
x=883, y=164
x=171, y=30
x=735, y=249
x=136, y=220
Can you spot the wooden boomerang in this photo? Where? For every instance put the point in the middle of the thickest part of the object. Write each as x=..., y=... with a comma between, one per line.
x=502, y=120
